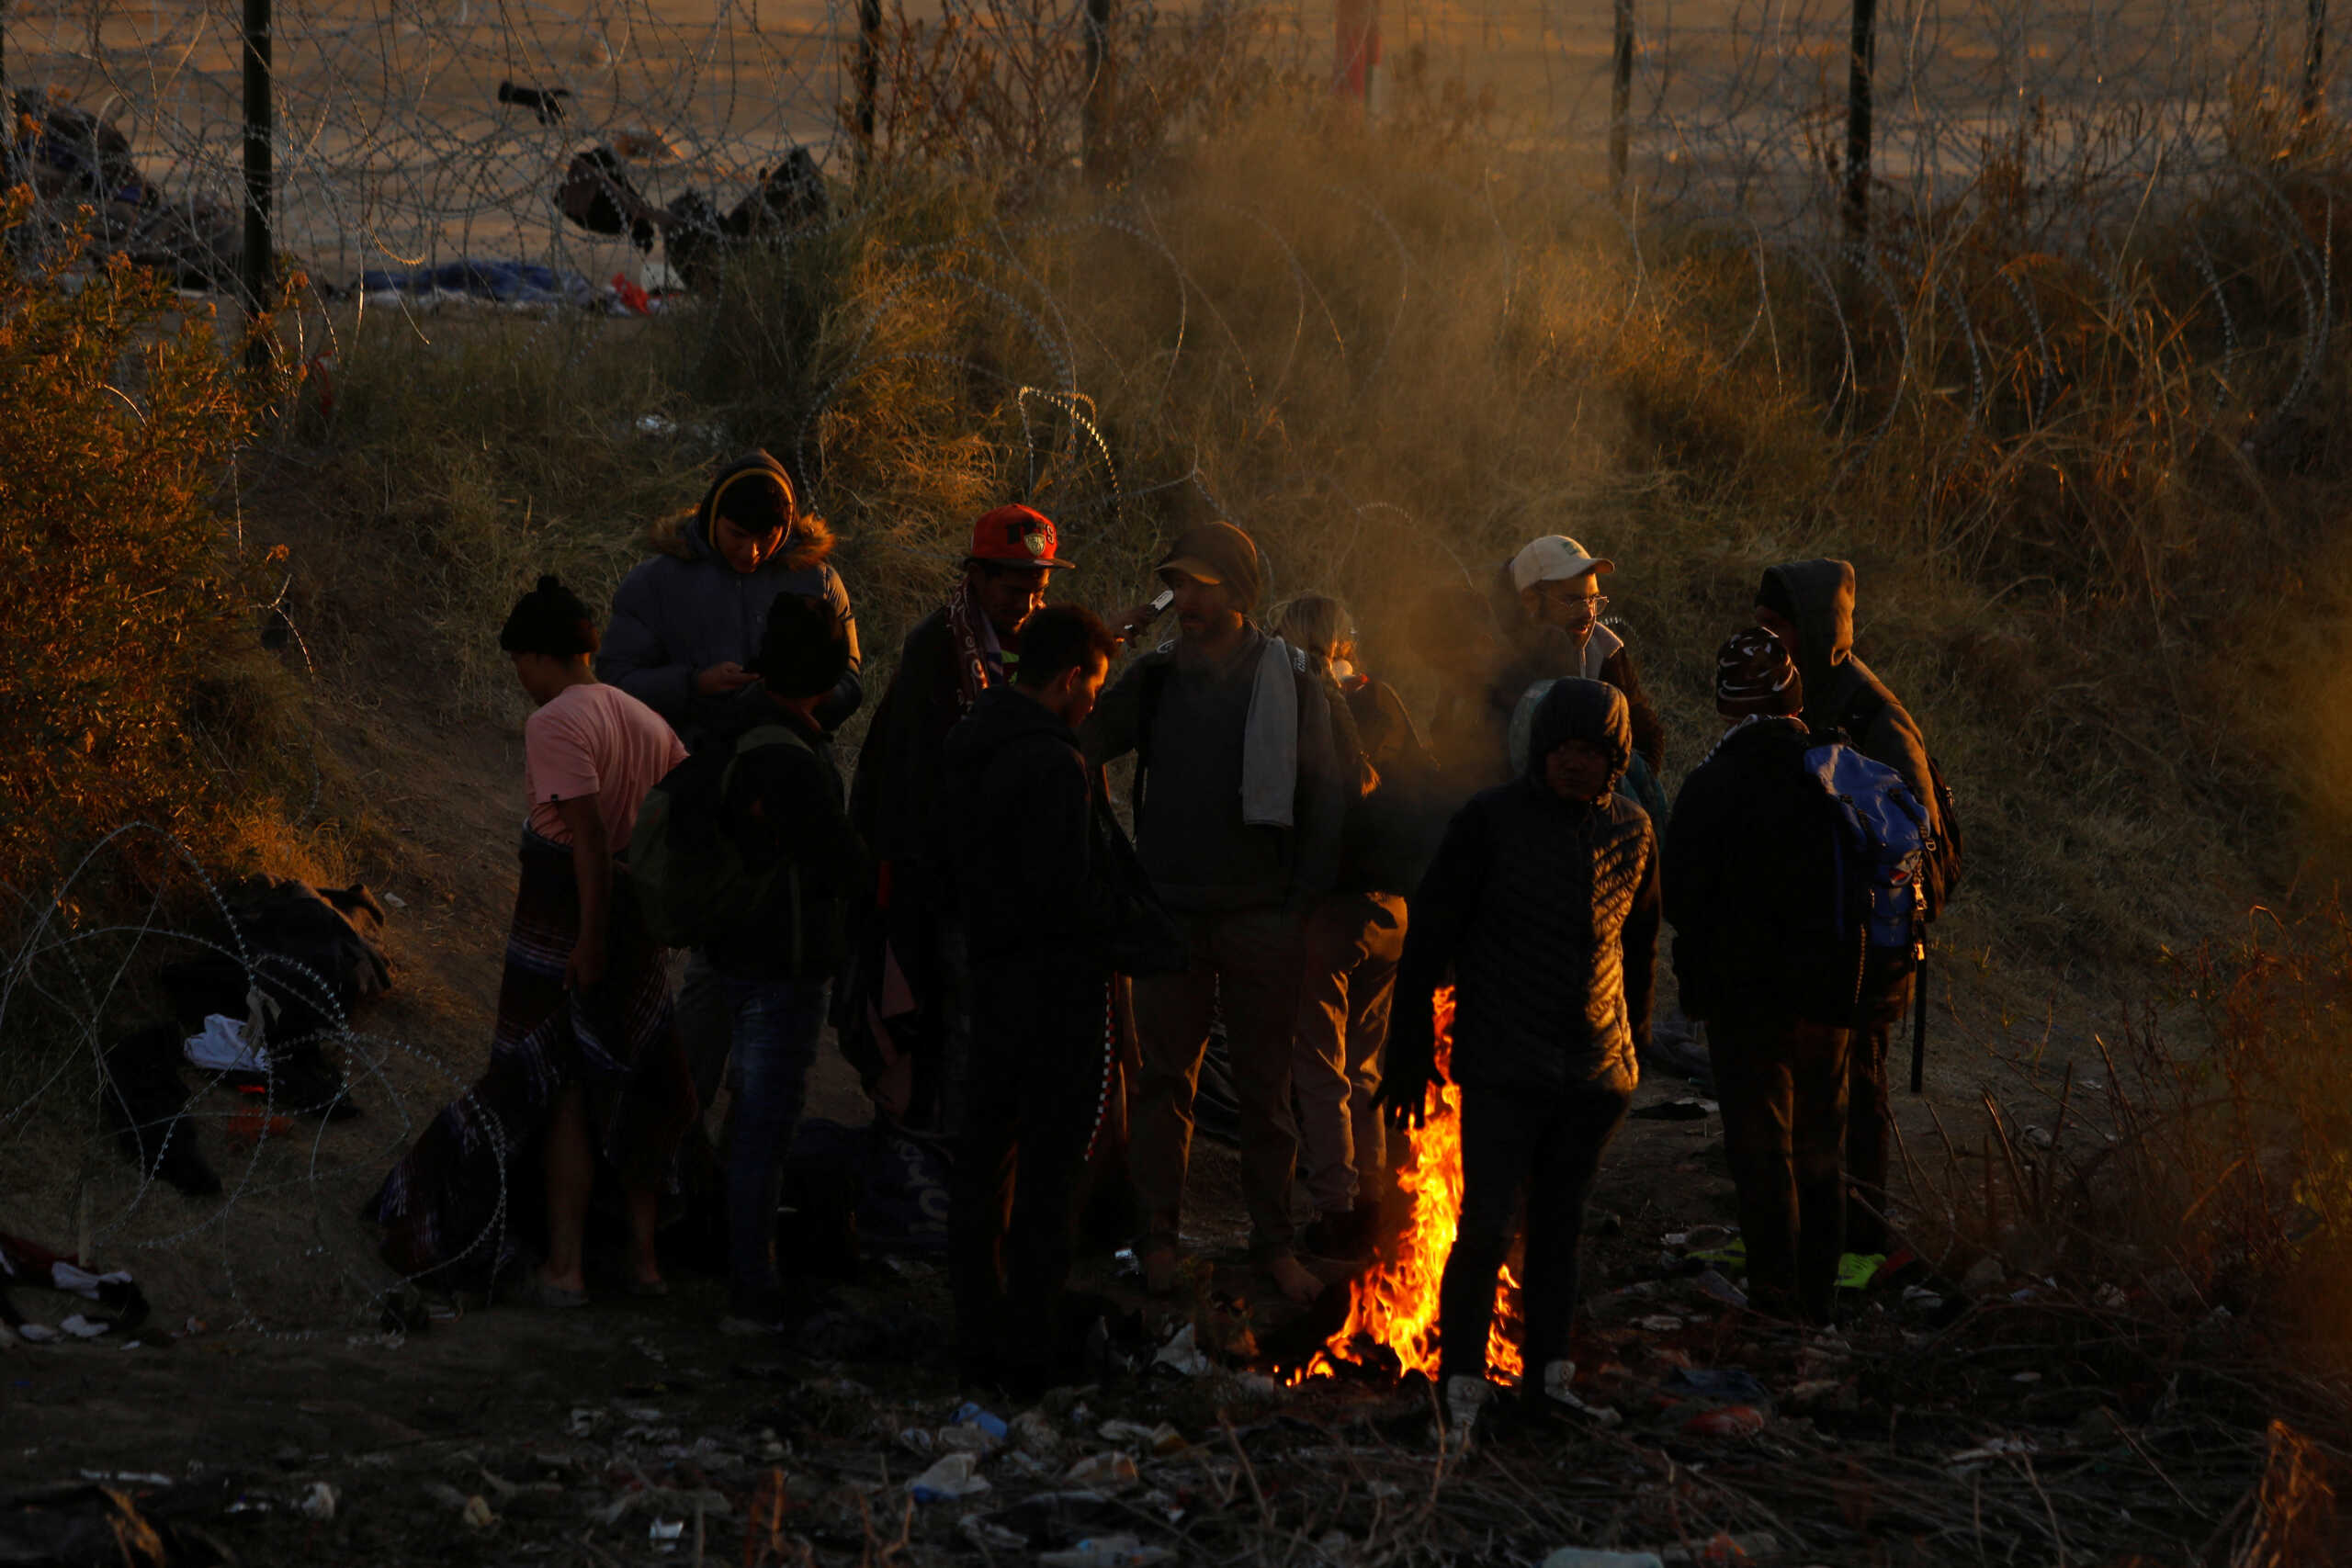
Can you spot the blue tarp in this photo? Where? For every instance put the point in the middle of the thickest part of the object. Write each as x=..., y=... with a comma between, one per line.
x=506, y=282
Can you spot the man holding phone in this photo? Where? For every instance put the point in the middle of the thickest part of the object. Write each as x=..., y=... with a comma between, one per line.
x=1239, y=800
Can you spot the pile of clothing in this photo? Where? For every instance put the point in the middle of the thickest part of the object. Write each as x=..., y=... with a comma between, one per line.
x=255, y=1013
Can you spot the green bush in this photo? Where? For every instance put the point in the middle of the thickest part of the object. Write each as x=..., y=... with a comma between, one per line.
x=124, y=609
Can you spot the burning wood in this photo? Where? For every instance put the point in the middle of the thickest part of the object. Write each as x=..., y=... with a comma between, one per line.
x=1395, y=1303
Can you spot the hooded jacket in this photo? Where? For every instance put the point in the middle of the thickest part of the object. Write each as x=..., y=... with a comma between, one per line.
x=1820, y=595
x=1546, y=912
x=684, y=609
x=1748, y=857
x=1540, y=652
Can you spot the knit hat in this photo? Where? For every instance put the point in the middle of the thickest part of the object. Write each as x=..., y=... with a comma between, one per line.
x=1754, y=676
x=1015, y=536
x=753, y=492
x=550, y=620
x=804, y=649
x=1217, y=553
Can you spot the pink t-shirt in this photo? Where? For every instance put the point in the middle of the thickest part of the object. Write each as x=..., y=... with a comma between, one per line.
x=594, y=740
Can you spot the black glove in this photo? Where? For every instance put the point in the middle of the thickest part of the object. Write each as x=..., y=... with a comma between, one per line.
x=1411, y=1069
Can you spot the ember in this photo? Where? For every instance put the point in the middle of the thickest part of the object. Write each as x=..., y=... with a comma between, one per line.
x=1395, y=1304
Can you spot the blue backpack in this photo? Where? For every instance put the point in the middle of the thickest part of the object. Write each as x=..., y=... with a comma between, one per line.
x=1881, y=846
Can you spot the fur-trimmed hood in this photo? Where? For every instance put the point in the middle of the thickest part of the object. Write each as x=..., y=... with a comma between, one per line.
x=687, y=534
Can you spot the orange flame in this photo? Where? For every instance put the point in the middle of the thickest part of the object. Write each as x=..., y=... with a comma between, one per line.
x=1396, y=1302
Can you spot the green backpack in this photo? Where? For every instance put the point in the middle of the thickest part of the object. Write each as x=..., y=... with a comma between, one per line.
x=687, y=872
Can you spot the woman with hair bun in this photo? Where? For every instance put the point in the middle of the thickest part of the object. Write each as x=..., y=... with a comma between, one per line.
x=585, y=1064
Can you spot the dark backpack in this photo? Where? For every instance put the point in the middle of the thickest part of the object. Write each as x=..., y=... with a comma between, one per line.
x=1947, y=849
x=689, y=878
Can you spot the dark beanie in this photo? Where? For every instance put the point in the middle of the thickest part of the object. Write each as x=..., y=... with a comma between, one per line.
x=804, y=651
x=551, y=620
x=754, y=493
x=1754, y=676
x=1219, y=552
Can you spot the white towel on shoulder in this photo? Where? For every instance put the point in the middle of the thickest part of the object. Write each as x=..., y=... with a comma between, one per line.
x=1270, y=739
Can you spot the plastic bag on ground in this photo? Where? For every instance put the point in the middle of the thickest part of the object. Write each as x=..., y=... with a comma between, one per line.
x=958, y=1475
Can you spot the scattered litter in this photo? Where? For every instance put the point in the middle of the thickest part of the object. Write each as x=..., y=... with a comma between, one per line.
x=975, y=1528
x=958, y=1475
x=584, y=1422
x=916, y=1440
x=1582, y=1557
x=1731, y=1421
x=477, y=1514
x=1716, y=1383
x=965, y=1440
x=1034, y=1432
x=224, y=1046
x=1713, y=1285
x=1108, y=1551
x=1161, y=1439
x=318, y=1502
x=2027, y=1377
x=1658, y=1323
x=1105, y=1469
x=393, y=899
x=129, y=1477
x=83, y=1328
x=1180, y=1355
x=665, y=1534
x=987, y=1421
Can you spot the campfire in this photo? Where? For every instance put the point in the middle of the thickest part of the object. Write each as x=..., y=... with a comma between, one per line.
x=1394, y=1306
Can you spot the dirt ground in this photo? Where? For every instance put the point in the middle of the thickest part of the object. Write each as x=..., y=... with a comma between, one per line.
x=266, y=1372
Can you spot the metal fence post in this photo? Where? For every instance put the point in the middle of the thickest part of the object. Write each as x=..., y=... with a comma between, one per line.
x=1862, y=54
x=253, y=269
x=1096, y=121
x=1621, y=97
x=2314, y=54
x=869, y=77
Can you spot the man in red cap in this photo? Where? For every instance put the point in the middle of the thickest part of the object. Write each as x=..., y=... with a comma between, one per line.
x=903, y=978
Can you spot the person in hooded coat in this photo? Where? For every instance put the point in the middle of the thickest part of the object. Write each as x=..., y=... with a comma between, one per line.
x=1543, y=903
x=1809, y=605
x=1751, y=874
x=687, y=621
x=686, y=630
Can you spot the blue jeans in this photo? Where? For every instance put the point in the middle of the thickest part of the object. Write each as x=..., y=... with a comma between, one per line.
x=776, y=1025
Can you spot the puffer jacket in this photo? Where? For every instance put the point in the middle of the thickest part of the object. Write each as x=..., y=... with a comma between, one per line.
x=1839, y=690
x=1546, y=912
x=684, y=610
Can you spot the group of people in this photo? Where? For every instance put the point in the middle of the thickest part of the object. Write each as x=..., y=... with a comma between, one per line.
x=1310, y=873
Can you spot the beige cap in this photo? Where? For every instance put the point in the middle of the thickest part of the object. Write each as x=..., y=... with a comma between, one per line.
x=1554, y=557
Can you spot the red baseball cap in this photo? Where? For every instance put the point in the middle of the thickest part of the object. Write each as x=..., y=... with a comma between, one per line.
x=1015, y=535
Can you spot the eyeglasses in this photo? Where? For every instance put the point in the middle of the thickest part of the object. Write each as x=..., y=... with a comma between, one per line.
x=1590, y=604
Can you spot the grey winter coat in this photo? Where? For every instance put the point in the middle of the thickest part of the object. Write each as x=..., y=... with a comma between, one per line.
x=685, y=610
